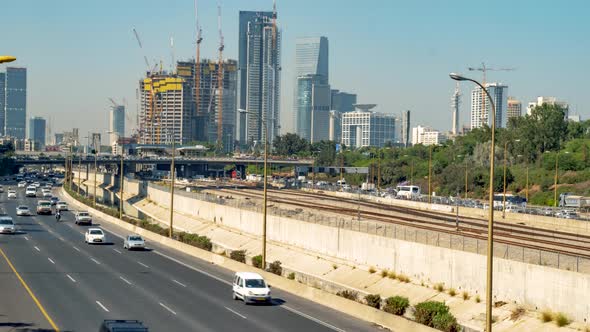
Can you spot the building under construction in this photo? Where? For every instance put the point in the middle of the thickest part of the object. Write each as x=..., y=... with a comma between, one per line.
x=165, y=109
x=211, y=118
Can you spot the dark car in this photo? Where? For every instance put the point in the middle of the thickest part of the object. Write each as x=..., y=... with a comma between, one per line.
x=122, y=325
x=54, y=200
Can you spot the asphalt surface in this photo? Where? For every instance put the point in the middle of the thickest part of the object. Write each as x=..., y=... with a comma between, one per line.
x=79, y=285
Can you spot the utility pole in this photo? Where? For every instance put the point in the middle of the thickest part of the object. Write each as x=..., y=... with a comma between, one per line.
x=121, y=183
x=79, y=172
x=265, y=196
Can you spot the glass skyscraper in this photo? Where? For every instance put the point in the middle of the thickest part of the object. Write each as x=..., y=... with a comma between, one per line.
x=2, y=96
x=311, y=109
x=37, y=126
x=15, y=107
x=259, y=77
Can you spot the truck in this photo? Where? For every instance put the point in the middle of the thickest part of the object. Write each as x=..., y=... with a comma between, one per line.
x=567, y=200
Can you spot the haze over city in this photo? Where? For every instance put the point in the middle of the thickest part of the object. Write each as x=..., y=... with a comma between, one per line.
x=394, y=54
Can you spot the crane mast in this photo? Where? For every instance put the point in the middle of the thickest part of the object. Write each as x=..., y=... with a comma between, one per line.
x=220, y=82
x=197, y=60
x=484, y=70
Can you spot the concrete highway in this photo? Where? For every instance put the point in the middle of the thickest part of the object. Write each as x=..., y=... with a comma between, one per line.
x=78, y=285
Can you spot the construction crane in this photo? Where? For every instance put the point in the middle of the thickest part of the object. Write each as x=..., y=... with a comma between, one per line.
x=198, y=60
x=484, y=70
x=147, y=63
x=274, y=23
x=220, y=81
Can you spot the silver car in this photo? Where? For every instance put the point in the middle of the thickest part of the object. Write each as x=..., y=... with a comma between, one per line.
x=134, y=242
x=23, y=210
x=7, y=225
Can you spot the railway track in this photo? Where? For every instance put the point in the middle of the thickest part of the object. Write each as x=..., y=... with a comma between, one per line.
x=517, y=235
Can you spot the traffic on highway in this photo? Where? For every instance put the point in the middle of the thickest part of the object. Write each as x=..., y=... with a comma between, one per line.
x=75, y=272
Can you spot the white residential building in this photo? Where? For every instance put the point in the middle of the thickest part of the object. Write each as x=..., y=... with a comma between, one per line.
x=481, y=107
x=427, y=136
x=549, y=101
x=364, y=127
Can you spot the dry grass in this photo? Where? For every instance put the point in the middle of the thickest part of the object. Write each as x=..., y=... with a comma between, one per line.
x=372, y=270
x=517, y=313
x=334, y=266
x=403, y=278
x=384, y=273
x=477, y=299
x=452, y=292
x=391, y=275
x=465, y=295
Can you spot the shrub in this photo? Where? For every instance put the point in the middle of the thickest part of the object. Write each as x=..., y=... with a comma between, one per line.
x=425, y=311
x=439, y=287
x=384, y=273
x=348, y=294
x=257, y=261
x=546, y=316
x=238, y=255
x=445, y=322
x=452, y=292
x=291, y=276
x=477, y=299
x=465, y=296
x=373, y=300
x=561, y=319
x=334, y=266
x=516, y=313
x=275, y=267
x=372, y=270
x=396, y=305
x=204, y=242
x=392, y=275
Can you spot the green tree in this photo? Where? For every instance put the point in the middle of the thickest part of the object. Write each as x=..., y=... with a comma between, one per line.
x=290, y=144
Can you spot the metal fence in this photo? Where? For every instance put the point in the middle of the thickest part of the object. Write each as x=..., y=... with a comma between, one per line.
x=406, y=233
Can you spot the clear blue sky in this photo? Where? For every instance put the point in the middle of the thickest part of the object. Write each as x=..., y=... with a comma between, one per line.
x=396, y=54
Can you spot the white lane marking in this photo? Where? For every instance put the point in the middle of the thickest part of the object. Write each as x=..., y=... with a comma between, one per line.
x=117, y=251
x=94, y=260
x=127, y=281
x=37, y=248
x=235, y=312
x=26, y=238
x=140, y=263
x=72, y=279
x=77, y=249
x=61, y=239
x=178, y=282
x=193, y=268
x=332, y=327
x=165, y=307
x=51, y=260
x=102, y=306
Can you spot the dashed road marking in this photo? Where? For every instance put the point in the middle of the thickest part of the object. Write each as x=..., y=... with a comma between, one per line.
x=94, y=260
x=165, y=307
x=70, y=277
x=127, y=281
x=51, y=260
x=235, y=312
x=140, y=263
x=117, y=251
x=37, y=248
x=102, y=306
x=178, y=282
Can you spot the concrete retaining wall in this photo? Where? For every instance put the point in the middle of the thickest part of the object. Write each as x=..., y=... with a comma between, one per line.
x=532, y=285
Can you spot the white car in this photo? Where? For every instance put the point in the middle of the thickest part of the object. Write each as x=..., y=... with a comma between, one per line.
x=11, y=194
x=31, y=191
x=22, y=184
x=7, y=225
x=36, y=184
x=47, y=193
x=23, y=210
x=134, y=241
x=61, y=206
x=94, y=235
x=251, y=288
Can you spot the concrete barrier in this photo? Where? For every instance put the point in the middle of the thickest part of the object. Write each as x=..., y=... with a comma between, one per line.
x=352, y=308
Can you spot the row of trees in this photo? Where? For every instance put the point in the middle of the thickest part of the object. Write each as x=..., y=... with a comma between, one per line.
x=532, y=142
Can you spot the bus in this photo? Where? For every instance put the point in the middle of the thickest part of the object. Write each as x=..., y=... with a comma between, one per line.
x=510, y=200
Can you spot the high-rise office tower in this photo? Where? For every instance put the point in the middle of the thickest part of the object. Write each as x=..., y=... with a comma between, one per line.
x=455, y=103
x=406, y=128
x=165, y=115
x=514, y=108
x=343, y=101
x=116, y=123
x=260, y=73
x=2, y=96
x=207, y=116
x=313, y=108
x=37, y=127
x=15, y=102
x=95, y=142
x=58, y=139
x=311, y=72
x=480, y=115
x=335, y=126
x=364, y=127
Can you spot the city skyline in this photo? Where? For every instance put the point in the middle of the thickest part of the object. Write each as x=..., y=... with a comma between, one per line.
x=389, y=69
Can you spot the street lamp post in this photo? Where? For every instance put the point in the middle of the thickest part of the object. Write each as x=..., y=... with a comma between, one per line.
x=490, y=253
x=504, y=194
x=430, y=175
x=121, y=183
x=79, y=172
x=95, y=171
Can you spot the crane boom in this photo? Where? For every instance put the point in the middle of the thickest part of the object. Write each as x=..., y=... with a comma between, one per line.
x=147, y=63
x=197, y=60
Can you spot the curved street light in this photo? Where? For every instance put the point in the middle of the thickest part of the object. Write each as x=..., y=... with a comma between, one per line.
x=490, y=253
x=6, y=58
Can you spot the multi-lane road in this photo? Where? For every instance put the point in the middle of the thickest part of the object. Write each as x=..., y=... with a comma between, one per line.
x=62, y=282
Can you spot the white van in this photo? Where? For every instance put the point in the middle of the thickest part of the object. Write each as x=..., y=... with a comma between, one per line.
x=251, y=288
x=31, y=191
x=408, y=192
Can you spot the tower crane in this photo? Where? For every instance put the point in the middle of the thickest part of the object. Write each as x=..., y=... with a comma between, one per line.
x=198, y=60
x=484, y=69
x=274, y=23
x=147, y=63
x=220, y=81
